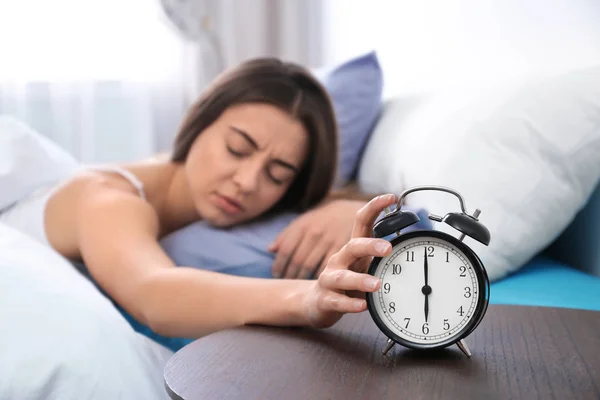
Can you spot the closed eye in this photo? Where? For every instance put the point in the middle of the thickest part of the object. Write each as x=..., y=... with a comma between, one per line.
x=239, y=154
x=235, y=153
x=275, y=180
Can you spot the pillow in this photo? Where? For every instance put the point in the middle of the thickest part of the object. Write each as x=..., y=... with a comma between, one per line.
x=239, y=250
x=527, y=153
x=355, y=87
x=28, y=161
x=62, y=338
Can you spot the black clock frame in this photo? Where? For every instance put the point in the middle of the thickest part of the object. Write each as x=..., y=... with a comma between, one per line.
x=482, y=302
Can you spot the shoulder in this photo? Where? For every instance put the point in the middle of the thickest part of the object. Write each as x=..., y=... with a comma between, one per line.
x=144, y=181
x=147, y=178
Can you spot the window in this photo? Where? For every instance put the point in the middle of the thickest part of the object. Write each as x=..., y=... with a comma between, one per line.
x=74, y=40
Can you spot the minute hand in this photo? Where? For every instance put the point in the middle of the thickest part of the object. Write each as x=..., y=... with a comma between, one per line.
x=426, y=288
x=426, y=268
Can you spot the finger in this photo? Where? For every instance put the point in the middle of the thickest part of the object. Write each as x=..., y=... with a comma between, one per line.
x=279, y=265
x=321, y=267
x=310, y=265
x=356, y=249
x=332, y=250
x=274, y=245
x=332, y=301
x=292, y=268
x=286, y=249
x=305, y=245
x=366, y=216
x=291, y=271
x=343, y=279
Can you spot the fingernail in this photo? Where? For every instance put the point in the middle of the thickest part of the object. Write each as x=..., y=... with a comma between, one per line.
x=371, y=282
x=359, y=304
x=387, y=197
x=382, y=247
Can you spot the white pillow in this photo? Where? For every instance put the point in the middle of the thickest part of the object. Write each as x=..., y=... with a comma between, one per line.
x=61, y=338
x=28, y=161
x=526, y=153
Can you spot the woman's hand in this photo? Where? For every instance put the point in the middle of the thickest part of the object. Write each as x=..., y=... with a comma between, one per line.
x=342, y=285
x=304, y=247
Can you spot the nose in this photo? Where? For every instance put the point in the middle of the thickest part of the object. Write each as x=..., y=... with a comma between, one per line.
x=247, y=175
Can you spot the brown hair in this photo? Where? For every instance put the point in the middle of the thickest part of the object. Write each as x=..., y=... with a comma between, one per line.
x=291, y=88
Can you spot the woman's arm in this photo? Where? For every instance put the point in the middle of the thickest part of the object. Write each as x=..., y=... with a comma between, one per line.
x=117, y=237
x=191, y=303
x=116, y=234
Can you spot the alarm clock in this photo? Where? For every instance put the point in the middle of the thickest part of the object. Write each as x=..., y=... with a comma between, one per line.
x=434, y=288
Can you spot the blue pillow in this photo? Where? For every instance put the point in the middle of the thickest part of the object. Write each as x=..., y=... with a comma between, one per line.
x=355, y=87
x=240, y=250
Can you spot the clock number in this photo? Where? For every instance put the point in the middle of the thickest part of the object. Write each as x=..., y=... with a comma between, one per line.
x=425, y=328
x=396, y=268
x=446, y=324
x=467, y=292
x=392, y=307
x=386, y=287
x=460, y=311
x=447, y=256
x=407, y=322
x=430, y=251
x=463, y=271
x=410, y=256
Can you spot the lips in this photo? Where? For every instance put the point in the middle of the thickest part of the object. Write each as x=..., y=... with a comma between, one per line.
x=228, y=205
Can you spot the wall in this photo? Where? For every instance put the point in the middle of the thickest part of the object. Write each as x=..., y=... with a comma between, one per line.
x=426, y=43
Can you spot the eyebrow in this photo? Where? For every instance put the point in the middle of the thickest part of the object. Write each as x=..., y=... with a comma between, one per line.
x=253, y=143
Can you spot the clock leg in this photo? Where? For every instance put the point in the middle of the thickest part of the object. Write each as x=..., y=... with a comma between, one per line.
x=462, y=345
x=388, y=346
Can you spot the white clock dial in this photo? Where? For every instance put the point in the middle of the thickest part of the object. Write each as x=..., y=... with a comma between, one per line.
x=426, y=310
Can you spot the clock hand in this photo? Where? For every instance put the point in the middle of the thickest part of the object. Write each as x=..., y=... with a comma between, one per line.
x=426, y=267
x=426, y=290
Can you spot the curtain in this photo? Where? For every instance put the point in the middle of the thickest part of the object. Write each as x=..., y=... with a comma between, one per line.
x=110, y=80
x=102, y=79
x=238, y=30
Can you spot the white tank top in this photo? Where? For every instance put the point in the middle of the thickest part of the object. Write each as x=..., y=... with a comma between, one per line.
x=27, y=215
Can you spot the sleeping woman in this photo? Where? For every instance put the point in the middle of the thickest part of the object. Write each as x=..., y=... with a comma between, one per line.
x=261, y=140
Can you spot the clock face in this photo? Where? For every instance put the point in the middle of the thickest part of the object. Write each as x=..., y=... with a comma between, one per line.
x=430, y=291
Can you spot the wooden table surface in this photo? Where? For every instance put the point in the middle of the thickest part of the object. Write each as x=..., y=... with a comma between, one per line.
x=518, y=353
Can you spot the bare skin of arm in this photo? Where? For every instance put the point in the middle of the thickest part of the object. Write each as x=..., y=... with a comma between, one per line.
x=133, y=269
x=104, y=222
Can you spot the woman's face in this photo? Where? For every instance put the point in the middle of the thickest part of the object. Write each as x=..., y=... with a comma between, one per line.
x=243, y=164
